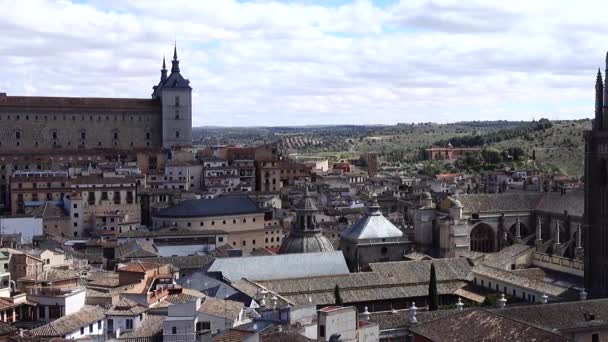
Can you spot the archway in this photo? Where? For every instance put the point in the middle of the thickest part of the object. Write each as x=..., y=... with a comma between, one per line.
x=482, y=238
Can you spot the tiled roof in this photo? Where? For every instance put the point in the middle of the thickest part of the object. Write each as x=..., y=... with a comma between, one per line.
x=520, y=280
x=566, y=315
x=233, y=335
x=140, y=267
x=151, y=325
x=180, y=298
x=67, y=324
x=399, y=319
x=52, y=275
x=417, y=271
x=48, y=210
x=282, y=336
x=221, y=206
x=136, y=249
x=188, y=262
x=461, y=326
x=126, y=307
x=473, y=203
x=80, y=103
x=6, y=329
x=221, y=307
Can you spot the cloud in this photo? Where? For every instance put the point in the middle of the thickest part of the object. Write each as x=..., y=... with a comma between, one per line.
x=305, y=62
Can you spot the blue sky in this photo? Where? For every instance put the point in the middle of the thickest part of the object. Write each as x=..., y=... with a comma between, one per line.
x=308, y=62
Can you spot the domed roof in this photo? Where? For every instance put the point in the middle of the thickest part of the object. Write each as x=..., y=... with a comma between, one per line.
x=297, y=242
x=309, y=203
x=426, y=195
x=372, y=226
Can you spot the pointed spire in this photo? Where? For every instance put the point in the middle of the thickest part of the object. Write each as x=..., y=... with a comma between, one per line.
x=163, y=72
x=175, y=61
x=599, y=100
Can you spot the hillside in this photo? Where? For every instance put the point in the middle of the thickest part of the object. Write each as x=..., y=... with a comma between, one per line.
x=557, y=147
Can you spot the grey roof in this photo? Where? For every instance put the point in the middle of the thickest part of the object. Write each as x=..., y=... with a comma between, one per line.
x=521, y=280
x=417, y=271
x=221, y=206
x=282, y=266
x=169, y=232
x=305, y=242
x=136, y=249
x=187, y=262
x=371, y=226
x=566, y=315
x=399, y=319
x=484, y=325
x=573, y=202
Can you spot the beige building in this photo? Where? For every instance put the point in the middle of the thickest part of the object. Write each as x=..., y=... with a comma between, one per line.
x=248, y=226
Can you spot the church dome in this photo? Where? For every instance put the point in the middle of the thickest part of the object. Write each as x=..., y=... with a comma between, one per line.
x=306, y=236
x=426, y=195
x=305, y=243
x=372, y=226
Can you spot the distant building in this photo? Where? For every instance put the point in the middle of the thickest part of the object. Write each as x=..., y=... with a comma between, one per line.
x=449, y=152
x=372, y=164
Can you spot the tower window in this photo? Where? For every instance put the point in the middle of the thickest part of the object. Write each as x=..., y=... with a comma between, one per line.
x=177, y=114
x=54, y=135
x=83, y=135
x=17, y=135
x=148, y=135
x=177, y=134
x=115, y=135
x=177, y=101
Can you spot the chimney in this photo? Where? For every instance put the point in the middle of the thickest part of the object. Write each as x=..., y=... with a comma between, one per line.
x=413, y=310
x=502, y=301
x=459, y=304
x=544, y=298
x=583, y=295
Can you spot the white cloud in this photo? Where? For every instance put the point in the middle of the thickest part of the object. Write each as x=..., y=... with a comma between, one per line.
x=272, y=63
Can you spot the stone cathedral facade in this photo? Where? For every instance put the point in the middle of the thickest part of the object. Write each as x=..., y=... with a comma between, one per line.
x=31, y=124
x=596, y=195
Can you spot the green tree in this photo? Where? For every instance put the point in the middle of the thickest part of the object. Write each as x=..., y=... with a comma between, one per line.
x=433, y=297
x=337, y=297
x=491, y=156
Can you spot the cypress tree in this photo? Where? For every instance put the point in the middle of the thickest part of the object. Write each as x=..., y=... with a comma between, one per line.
x=433, y=298
x=338, y=298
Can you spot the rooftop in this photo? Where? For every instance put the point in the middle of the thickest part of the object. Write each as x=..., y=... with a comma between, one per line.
x=221, y=206
x=67, y=324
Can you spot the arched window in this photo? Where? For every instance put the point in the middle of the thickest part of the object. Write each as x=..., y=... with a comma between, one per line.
x=482, y=238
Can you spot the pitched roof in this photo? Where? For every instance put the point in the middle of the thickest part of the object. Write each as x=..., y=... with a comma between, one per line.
x=371, y=226
x=484, y=325
x=136, y=249
x=126, y=307
x=188, y=262
x=520, y=280
x=52, y=275
x=67, y=324
x=139, y=267
x=218, y=307
x=221, y=206
x=281, y=266
x=566, y=315
x=573, y=202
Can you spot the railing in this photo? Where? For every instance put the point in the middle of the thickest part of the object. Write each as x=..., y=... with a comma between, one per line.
x=189, y=337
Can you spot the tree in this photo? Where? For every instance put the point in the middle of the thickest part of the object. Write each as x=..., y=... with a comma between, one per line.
x=433, y=298
x=337, y=297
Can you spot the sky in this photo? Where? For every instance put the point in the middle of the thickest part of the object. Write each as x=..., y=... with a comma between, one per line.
x=310, y=62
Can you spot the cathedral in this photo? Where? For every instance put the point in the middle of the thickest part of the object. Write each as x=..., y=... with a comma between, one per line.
x=596, y=195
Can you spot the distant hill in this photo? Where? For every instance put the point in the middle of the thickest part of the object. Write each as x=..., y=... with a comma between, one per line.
x=558, y=146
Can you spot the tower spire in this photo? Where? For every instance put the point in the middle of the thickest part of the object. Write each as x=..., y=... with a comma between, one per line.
x=175, y=61
x=163, y=71
x=599, y=100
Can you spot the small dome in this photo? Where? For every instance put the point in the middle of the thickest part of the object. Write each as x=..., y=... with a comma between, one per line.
x=426, y=195
x=305, y=243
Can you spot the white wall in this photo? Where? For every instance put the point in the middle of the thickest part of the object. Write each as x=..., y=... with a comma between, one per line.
x=87, y=332
x=120, y=322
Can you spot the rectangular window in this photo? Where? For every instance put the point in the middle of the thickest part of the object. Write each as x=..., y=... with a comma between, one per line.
x=91, y=327
x=595, y=337
x=321, y=330
x=17, y=135
x=83, y=135
x=129, y=324
x=98, y=325
x=41, y=312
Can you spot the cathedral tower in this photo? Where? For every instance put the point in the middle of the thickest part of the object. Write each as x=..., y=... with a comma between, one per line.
x=596, y=197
